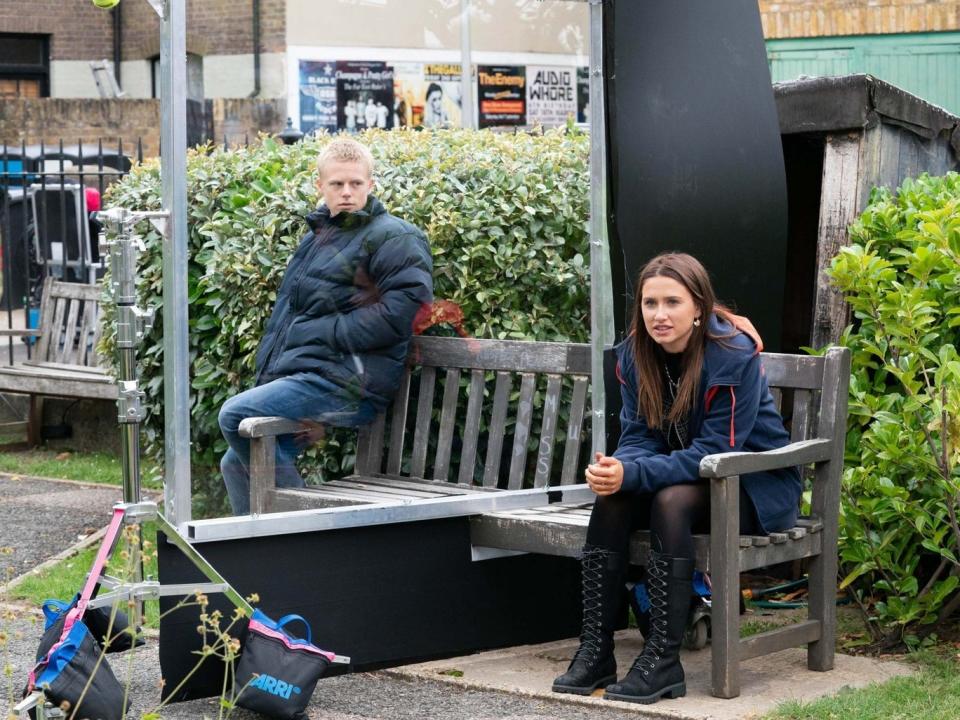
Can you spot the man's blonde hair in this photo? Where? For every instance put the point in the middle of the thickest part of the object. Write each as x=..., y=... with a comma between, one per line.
x=343, y=149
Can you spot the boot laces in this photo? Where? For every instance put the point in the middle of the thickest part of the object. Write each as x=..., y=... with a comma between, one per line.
x=655, y=645
x=590, y=631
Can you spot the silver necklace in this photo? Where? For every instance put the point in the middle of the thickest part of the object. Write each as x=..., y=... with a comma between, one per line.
x=672, y=385
x=679, y=428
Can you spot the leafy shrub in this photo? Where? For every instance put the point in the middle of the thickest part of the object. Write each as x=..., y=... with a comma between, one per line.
x=506, y=216
x=901, y=494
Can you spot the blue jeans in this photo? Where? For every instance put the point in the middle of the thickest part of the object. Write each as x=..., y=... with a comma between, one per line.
x=304, y=396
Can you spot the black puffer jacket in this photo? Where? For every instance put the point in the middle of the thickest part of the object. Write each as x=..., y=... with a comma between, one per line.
x=346, y=305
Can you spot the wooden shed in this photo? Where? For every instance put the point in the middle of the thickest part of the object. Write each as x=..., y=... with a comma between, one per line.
x=842, y=137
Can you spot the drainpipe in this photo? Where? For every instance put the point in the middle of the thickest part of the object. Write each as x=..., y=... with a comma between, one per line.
x=117, y=41
x=256, y=48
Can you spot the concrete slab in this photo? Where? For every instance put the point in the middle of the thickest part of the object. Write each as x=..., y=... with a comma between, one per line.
x=765, y=681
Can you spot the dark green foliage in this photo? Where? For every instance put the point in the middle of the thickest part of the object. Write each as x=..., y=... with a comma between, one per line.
x=899, y=532
x=506, y=216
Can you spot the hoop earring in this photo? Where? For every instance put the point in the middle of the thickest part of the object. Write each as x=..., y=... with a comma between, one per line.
x=696, y=322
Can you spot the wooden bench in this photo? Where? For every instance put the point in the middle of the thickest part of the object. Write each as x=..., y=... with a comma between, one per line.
x=503, y=381
x=63, y=362
x=414, y=450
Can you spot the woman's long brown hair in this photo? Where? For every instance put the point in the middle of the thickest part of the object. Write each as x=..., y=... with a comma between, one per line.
x=687, y=271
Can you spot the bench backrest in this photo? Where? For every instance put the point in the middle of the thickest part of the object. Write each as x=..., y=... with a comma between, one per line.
x=461, y=401
x=69, y=324
x=502, y=413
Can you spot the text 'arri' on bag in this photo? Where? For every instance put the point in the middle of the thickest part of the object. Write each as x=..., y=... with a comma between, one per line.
x=277, y=672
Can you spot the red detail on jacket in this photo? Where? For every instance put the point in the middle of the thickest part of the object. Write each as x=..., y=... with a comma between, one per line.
x=619, y=376
x=709, y=398
x=711, y=393
x=733, y=407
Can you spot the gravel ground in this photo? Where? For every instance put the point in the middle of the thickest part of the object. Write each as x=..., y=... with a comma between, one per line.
x=41, y=518
x=374, y=696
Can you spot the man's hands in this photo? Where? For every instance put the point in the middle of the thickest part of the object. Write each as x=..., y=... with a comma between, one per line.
x=605, y=475
x=312, y=433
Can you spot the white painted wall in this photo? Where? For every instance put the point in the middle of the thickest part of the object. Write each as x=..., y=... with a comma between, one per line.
x=538, y=26
x=135, y=78
x=231, y=76
x=72, y=79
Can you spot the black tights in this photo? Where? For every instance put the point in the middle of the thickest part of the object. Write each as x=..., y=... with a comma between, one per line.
x=672, y=515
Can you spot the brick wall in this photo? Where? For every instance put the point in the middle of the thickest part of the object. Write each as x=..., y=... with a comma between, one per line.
x=81, y=120
x=84, y=120
x=214, y=27
x=818, y=18
x=79, y=30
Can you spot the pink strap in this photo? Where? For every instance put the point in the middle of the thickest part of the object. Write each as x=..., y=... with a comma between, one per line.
x=98, y=565
x=113, y=531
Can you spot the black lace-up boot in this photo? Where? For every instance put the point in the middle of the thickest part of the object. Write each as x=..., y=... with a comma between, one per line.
x=657, y=670
x=593, y=664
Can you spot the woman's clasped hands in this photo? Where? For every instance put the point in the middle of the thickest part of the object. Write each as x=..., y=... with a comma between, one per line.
x=605, y=474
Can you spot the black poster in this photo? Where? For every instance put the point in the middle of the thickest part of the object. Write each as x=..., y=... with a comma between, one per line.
x=502, y=93
x=318, y=96
x=364, y=95
x=696, y=161
x=583, y=95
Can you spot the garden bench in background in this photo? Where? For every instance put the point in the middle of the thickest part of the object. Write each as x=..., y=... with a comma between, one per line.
x=63, y=361
x=405, y=472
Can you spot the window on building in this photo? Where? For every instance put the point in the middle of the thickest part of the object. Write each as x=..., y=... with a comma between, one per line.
x=24, y=65
x=194, y=76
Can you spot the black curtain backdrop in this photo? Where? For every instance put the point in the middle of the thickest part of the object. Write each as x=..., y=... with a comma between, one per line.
x=695, y=160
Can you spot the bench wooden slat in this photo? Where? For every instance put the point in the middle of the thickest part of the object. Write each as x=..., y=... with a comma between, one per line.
x=370, y=445
x=468, y=457
x=54, y=352
x=776, y=394
x=498, y=423
x=421, y=432
x=68, y=353
x=89, y=335
x=30, y=379
x=505, y=355
x=521, y=431
x=383, y=492
x=448, y=419
x=800, y=425
x=398, y=424
x=563, y=532
x=47, y=305
x=780, y=639
x=571, y=452
x=548, y=431
x=793, y=371
x=441, y=488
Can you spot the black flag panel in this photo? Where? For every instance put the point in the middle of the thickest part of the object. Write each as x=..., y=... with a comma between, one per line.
x=696, y=163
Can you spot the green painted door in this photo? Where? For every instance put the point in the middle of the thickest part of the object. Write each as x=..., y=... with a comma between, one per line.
x=925, y=64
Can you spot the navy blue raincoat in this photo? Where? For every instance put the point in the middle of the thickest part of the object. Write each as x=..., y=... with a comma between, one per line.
x=734, y=412
x=346, y=305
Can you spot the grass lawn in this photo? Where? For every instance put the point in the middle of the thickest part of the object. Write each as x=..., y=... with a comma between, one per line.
x=63, y=580
x=933, y=693
x=94, y=467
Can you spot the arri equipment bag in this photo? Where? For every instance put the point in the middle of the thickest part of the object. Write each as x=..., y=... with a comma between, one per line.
x=277, y=672
x=72, y=670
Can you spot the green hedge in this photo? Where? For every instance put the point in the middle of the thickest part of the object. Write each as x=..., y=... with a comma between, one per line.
x=507, y=220
x=900, y=539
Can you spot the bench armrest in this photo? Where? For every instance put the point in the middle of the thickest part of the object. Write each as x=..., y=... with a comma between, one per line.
x=27, y=332
x=256, y=427
x=740, y=463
